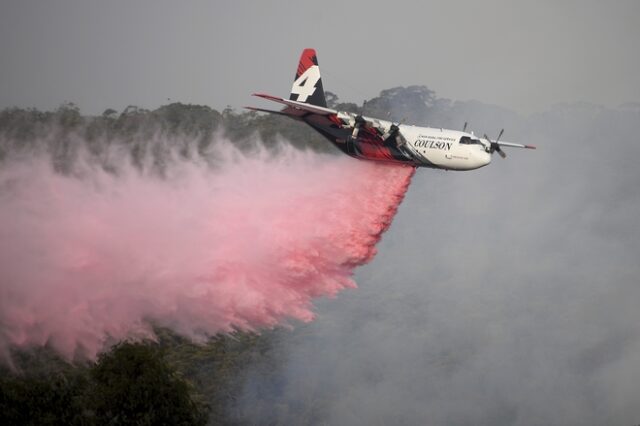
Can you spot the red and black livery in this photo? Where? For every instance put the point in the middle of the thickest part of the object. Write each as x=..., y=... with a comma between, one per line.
x=351, y=133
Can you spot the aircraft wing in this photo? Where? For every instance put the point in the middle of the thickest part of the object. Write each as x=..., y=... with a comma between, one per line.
x=300, y=106
x=270, y=111
x=298, y=109
x=516, y=145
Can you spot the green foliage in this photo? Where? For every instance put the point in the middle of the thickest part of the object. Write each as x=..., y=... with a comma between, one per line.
x=131, y=384
x=45, y=400
x=173, y=381
x=217, y=368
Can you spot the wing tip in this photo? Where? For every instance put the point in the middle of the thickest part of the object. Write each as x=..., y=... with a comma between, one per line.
x=265, y=96
x=269, y=111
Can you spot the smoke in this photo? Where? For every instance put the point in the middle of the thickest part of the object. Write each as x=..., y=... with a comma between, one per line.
x=503, y=296
x=91, y=257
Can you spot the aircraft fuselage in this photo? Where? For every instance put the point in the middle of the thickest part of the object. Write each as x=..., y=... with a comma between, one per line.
x=418, y=146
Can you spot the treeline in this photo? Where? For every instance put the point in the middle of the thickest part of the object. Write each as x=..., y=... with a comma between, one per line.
x=131, y=384
x=171, y=381
x=144, y=134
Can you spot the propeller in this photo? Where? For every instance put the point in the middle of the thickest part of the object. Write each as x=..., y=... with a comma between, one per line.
x=394, y=130
x=464, y=128
x=494, y=146
x=359, y=121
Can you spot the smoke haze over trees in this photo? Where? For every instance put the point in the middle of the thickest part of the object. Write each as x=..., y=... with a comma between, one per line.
x=503, y=296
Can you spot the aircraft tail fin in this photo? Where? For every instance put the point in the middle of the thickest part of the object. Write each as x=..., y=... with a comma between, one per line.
x=307, y=86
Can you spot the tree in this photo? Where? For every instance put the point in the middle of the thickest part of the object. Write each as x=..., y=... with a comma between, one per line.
x=331, y=98
x=413, y=103
x=131, y=384
x=135, y=385
x=53, y=399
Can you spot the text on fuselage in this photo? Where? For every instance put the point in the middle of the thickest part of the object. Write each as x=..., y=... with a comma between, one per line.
x=435, y=142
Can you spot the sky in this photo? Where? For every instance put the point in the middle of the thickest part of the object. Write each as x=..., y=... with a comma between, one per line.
x=524, y=55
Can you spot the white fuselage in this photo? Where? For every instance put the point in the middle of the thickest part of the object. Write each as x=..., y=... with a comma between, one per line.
x=441, y=148
x=431, y=147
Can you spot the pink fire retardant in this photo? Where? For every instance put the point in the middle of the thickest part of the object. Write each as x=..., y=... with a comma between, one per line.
x=90, y=259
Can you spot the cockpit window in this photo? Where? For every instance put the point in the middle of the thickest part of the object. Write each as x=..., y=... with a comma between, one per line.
x=466, y=140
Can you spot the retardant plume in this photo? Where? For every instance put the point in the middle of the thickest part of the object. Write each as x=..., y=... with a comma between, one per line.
x=96, y=257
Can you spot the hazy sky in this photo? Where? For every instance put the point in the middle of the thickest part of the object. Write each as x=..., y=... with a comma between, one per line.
x=522, y=55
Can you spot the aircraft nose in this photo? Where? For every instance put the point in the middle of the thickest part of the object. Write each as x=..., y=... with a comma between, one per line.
x=486, y=157
x=482, y=157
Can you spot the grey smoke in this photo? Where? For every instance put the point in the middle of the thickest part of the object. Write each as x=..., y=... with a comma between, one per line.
x=504, y=296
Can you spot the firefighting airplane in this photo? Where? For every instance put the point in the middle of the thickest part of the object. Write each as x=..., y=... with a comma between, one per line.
x=381, y=140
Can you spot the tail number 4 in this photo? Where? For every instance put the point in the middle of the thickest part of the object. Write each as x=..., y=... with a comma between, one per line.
x=305, y=85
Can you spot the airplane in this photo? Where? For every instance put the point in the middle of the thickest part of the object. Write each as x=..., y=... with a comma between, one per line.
x=381, y=140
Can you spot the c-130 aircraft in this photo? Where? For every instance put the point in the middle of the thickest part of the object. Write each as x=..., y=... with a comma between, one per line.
x=381, y=140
